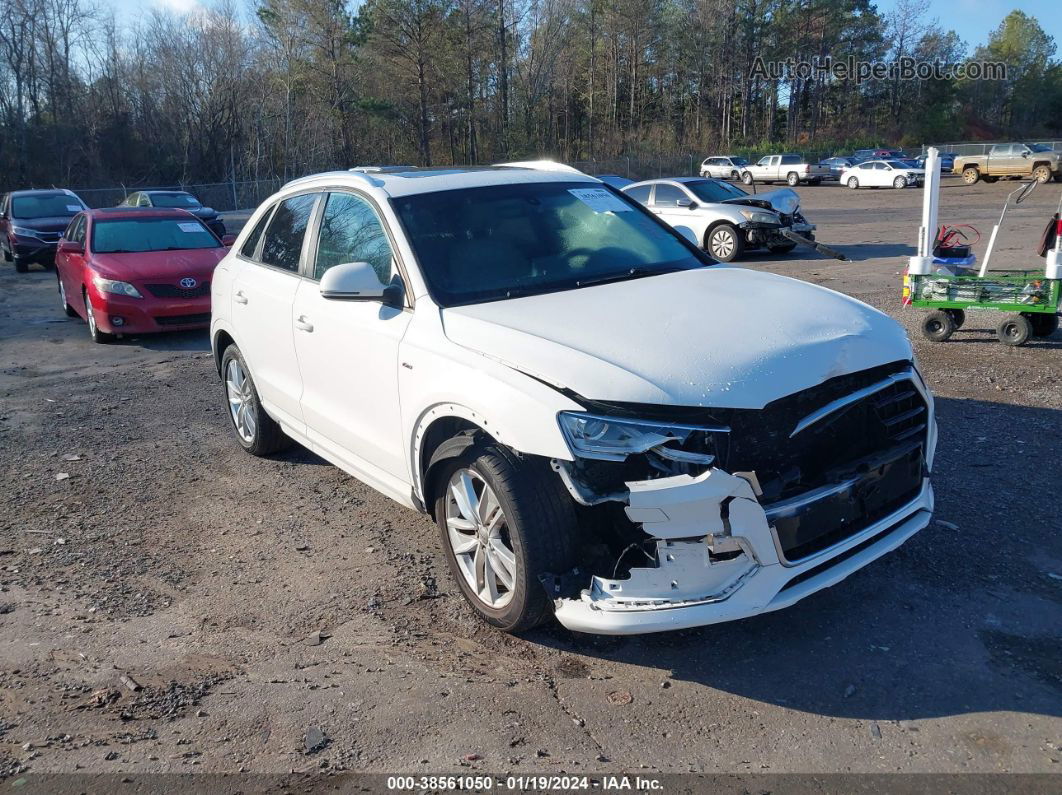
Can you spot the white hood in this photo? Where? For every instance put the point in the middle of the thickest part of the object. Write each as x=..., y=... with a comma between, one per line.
x=718, y=336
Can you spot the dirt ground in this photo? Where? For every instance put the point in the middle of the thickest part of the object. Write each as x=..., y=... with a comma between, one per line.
x=277, y=615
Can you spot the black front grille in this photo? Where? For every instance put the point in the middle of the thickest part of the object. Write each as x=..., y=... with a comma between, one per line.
x=182, y=320
x=176, y=291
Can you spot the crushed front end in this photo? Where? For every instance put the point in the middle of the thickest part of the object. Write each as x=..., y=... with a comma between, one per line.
x=717, y=514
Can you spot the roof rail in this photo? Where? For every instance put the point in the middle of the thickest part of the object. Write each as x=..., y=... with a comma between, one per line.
x=541, y=165
x=380, y=169
x=351, y=173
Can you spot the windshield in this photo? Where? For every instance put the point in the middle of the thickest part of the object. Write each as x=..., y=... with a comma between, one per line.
x=1039, y=147
x=505, y=241
x=56, y=205
x=174, y=200
x=709, y=191
x=150, y=234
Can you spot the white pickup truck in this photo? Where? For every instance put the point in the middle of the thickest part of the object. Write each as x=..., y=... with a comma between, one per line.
x=790, y=169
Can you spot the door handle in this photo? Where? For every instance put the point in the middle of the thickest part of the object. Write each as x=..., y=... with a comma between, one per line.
x=302, y=324
x=239, y=297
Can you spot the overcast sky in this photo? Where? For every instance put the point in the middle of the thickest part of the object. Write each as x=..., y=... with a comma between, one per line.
x=973, y=20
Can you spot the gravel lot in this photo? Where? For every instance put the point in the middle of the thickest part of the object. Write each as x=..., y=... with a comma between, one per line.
x=277, y=615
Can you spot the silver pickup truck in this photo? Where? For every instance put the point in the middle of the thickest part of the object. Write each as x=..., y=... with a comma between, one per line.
x=791, y=169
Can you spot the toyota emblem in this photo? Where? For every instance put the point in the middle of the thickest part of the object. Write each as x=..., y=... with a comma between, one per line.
x=188, y=283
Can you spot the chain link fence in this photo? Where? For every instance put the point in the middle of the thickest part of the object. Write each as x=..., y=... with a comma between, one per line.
x=222, y=196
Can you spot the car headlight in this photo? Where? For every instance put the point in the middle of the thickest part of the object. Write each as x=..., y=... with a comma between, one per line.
x=116, y=287
x=760, y=217
x=614, y=439
x=22, y=231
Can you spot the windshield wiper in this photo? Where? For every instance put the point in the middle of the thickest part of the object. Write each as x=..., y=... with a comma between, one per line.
x=633, y=273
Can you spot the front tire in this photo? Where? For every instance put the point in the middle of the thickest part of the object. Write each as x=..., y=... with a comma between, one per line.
x=504, y=521
x=725, y=242
x=95, y=334
x=746, y=178
x=970, y=175
x=853, y=182
x=257, y=432
x=1042, y=174
x=1014, y=330
x=899, y=182
x=938, y=326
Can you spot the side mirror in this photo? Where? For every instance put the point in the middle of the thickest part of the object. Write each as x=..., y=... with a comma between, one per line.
x=683, y=202
x=353, y=281
x=1025, y=154
x=228, y=240
x=69, y=247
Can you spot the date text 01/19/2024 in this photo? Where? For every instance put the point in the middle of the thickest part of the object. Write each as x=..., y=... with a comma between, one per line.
x=518, y=783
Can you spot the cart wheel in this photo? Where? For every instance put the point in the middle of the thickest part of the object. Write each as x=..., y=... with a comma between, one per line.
x=1014, y=330
x=1043, y=325
x=958, y=317
x=938, y=325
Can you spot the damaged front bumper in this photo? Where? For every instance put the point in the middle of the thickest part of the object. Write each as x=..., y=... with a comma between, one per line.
x=717, y=553
x=721, y=577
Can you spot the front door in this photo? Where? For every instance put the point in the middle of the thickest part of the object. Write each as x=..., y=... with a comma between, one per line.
x=348, y=350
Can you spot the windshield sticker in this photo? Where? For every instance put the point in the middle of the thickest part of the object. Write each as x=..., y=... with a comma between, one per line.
x=600, y=200
x=73, y=208
x=190, y=227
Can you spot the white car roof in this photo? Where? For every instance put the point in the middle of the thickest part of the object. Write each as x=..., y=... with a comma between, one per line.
x=396, y=181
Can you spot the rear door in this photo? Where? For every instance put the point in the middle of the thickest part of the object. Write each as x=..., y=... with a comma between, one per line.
x=263, y=296
x=348, y=350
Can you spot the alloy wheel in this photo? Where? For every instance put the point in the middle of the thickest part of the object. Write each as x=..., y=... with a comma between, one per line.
x=241, y=401
x=722, y=243
x=62, y=293
x=90, y=316
x=478, y=534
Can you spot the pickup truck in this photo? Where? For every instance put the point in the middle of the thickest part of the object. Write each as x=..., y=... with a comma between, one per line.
x=790, y=169
x=1010, y=160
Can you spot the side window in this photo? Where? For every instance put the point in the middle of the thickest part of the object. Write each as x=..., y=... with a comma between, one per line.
x=75, y=232
x=283, y=239
x=764, y=161
x=640, y=194
x=68, y=233
x=352, y=232
x=250, y=245
x=145, y=200
x=667, y=196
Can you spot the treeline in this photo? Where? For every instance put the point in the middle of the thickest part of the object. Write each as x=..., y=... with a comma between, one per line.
x=285, y=87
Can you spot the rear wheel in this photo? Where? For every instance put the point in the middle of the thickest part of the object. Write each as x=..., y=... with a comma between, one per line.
x=1043, y=325
x=853, y=182
x=792, y=179
x=504, y=521
x=1042, y=174
x=725, y=243
x=937, y=326
x=735, y=176
x=62, y=296
x=257, y=432
x=970, y=175
x=1014, y=330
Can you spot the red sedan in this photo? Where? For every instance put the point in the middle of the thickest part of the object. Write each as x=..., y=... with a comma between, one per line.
x=132, y=271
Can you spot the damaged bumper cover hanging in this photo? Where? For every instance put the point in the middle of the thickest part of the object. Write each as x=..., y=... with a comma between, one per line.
x=718, y=554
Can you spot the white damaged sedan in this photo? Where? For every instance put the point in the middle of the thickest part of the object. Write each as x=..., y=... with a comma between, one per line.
x=605, y=425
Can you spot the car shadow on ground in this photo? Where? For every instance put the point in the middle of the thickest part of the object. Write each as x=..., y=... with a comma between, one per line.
x=857, y=252
x=962, y=618
x=184, y=341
